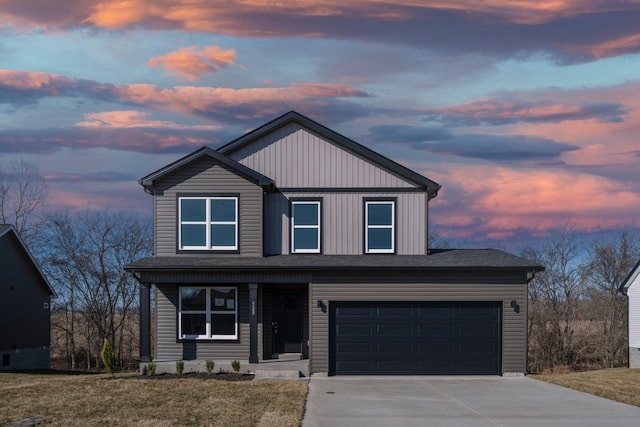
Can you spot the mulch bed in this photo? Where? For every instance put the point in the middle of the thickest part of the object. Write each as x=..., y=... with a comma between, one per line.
x=220, y=376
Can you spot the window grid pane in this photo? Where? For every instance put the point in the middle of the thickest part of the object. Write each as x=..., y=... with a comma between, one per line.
x=305, y=227
x=218, y=318
x=209, y=223
x=380, y=226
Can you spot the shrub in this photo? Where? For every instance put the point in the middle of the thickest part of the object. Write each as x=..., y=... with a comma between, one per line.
x=235, y=364
x=209, y=365
x=108, y=357
x=179, y=367
x=151, y=368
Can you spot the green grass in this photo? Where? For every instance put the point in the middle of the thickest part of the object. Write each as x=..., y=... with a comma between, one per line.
x=127, y=399
x=619, y=384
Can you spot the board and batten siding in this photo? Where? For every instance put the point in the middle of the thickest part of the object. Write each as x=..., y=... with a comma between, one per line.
x=342, y=222
x=633, y=293
x=514, y=325
x=169, y=348
x=294, y=157
x=203, y=177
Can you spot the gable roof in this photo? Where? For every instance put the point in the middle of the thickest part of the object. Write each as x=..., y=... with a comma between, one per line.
x=266, y=183
x=430, y=186
x=631, y=277
x=6, y=230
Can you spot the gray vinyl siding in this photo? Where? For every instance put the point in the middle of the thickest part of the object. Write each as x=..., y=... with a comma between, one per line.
x=204, y=177
x=294, y=157
x=513, y=324
x=342, y=223
x=168, y=346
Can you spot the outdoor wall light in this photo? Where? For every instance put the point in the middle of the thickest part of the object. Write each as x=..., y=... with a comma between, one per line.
x=515, y=306
x=322, y=306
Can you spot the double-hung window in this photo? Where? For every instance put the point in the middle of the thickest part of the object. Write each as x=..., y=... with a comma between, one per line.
x=208, y=313
x=379, y=226
x=305, y=226
x=208, y=223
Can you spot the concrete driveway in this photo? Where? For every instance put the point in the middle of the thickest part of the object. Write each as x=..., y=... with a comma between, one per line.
x=457, y=402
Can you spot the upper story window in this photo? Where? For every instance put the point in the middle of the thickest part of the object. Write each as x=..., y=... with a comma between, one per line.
x=305, y=226
x=208, y=223
x=208, y=313
x=379, y=226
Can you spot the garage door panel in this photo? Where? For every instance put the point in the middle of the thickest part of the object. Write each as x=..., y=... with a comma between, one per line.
x=354, y=329
x=415, y=338
x=394, y=330
x=383, y=312
x=395, y=348
x=477, y=330
x=431, y=331
x=355, y=347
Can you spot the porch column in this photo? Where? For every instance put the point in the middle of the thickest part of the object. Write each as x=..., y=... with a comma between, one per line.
x=253, y=323
x=145, y=322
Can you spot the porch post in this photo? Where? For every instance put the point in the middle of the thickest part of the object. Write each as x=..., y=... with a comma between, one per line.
x=253, y=323
x=145, y=322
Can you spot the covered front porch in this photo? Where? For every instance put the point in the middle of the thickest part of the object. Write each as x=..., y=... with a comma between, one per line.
x=271, y=326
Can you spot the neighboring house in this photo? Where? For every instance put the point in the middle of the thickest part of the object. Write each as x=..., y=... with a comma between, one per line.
x=296, y=239
x=25, y=295
x=631, y=288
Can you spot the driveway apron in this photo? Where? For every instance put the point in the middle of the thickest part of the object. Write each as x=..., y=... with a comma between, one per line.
x=457, y=402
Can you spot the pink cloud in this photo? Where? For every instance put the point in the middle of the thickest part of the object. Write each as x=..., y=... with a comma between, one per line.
x=32, y=80
x=134, y=119
x=500, y=201
x=191, y=63
x=227, y=16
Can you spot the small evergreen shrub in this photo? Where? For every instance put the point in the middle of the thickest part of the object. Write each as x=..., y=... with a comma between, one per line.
x=209, y=365
x=179, y=367
x=108, y=356
x=235, y=364
x=151, y=368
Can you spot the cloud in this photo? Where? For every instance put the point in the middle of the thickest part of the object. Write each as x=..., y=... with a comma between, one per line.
x=518, y=107
x=480, y=201
x=498, y=147
x=191, y=63
x=19, y=87
x=134, y=119
x=568, y=30
x=106, y=176
x=406, y=134
x=142, y=140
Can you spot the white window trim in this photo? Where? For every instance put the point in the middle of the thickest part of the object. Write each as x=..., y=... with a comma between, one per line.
x=208, y=312
x=208, y=223
x=294, y=227
x=392, y=226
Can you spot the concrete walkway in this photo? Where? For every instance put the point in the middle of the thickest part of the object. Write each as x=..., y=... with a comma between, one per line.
x=457, y=402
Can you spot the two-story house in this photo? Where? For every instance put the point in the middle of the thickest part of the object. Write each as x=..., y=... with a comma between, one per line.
x=296, y=239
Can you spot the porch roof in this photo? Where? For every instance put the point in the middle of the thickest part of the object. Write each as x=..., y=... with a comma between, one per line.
x=442, y=260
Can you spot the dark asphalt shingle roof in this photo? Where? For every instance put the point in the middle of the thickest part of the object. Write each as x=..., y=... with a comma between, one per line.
x=453, y=259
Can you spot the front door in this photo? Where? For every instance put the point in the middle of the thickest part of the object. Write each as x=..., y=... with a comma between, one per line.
x=287, y=322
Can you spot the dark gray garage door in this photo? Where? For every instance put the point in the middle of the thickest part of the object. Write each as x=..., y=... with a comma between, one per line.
x=408, y=338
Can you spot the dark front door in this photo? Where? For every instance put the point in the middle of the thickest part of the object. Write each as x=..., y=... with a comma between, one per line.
x=424, y=338
x=287, y=322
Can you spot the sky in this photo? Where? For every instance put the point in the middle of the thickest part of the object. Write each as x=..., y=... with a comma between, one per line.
x=527, y=112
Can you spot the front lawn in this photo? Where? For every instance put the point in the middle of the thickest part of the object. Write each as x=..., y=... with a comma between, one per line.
x=127, y=399
x=619, y=384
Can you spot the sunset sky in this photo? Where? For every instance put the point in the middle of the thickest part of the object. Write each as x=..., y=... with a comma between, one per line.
x=527, y=112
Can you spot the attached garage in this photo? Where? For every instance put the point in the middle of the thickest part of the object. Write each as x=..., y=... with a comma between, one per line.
x=415, y=338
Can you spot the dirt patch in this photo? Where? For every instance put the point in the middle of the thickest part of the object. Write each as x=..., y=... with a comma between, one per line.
x=220, y=376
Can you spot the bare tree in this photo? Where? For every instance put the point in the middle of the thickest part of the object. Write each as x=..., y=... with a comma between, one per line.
x=22, y=192
x=86, y=258
x=554, y=298
x=608, y=266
